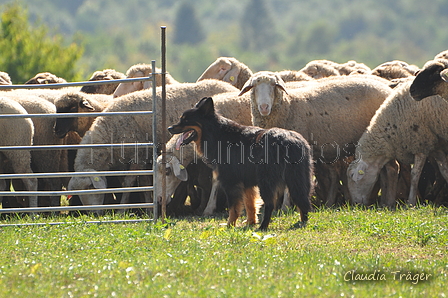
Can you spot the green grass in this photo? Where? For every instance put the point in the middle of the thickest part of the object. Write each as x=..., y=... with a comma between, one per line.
x=199, y=257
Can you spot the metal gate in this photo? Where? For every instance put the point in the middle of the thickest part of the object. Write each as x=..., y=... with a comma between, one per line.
x=152, y=144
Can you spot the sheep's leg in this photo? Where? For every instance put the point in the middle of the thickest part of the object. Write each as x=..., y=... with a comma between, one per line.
x=442, y=163
x=331, y=196
x=419, y=162
x=287, y=204
x=390, y=192
x=31, y=185
x=211, y=205
x=128, y=181
x=145, y=180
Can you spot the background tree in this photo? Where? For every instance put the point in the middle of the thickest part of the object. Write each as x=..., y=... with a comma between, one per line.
x=188, y=29
x=257, y=28
x=27, y=50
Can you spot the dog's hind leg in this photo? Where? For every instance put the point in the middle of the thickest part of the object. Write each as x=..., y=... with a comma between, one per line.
x=235, y=199
x=250, y=202
x=268, y=194
x=299, y=188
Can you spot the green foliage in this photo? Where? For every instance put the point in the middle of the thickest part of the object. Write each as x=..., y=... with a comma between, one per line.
x=188, y=28
x=29, y=49
x=258, y=33
x=265, y=35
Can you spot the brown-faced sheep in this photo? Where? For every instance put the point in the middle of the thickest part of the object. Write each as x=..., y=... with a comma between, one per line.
x=431, y=80
x=227, y=69
x=331, y=115
x=16, y=132
x=139, y=71
x=404, y=130
x=78, y=102
x=104, y=75
x=133, y=129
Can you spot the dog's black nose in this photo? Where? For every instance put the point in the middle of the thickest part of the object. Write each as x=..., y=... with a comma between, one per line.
x=170, y=129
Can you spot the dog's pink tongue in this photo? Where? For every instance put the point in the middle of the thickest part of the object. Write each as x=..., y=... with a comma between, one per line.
x=180, y=140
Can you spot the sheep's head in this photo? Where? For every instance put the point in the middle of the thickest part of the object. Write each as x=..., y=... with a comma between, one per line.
x=320, y=69
x=72, y=103
x=45, y=78
x=431, y=80
x=174, y=171
x=139, y=71
x=91, y=182
x=103, y=75
x=362, y=177
x=267, y=88
x=225, y=69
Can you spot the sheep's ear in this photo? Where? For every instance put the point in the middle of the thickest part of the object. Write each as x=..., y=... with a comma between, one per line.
x=232, y=75
x=42, y=81
x=85, y=104
x=359, y=171
x=246, y=87
x=280, y=84
x=98, y=182
x=180, y=172
x=444, y=74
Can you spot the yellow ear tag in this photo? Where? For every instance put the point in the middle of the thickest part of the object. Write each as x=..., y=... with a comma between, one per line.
x=361, y=172
x=181, y=167
x=232, y=78
x=96, y=179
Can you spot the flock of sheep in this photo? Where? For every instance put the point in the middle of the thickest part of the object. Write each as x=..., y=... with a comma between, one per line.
x=371, y=130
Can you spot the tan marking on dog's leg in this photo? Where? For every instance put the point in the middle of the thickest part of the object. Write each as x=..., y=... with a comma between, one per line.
x=234, y=213
x=251, y=195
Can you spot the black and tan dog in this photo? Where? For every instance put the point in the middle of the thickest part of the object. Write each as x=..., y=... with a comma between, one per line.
x=248, y=156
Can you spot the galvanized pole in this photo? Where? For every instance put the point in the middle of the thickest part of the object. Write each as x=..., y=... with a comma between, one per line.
x=163, y=112
x=154, y=141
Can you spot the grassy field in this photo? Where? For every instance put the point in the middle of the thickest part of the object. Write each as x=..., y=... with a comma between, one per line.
x=401, y=253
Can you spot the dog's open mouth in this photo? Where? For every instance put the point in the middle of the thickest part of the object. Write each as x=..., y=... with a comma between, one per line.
x=185, y=138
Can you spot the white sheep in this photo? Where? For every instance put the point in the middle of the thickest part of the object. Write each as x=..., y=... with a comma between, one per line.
x=395, y=69
x=133, y=129
x=43, y=161
x=103, y=75
x=17, y=132
x=318, y=69
x=139, y=71
x=293, y=76
x=404, y=130
x=227, y=69
x=45, y=78
x=441, y=55
x=4, y=78
x=331, y=115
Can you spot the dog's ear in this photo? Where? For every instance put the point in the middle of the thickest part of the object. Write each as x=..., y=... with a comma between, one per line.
x=206, y=106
